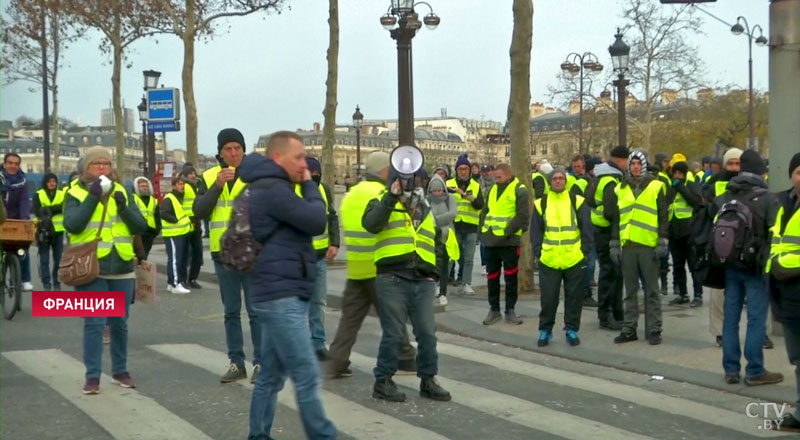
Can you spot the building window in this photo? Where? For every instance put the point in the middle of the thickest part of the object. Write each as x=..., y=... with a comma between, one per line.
x=85, y=140
x=72, y=139
x=544, y=148
x=533, y=149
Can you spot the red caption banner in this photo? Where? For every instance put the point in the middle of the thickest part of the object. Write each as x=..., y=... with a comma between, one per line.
x=78, y=304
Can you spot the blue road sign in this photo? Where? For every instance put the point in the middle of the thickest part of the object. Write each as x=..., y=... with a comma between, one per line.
x=164, y=126
x=163, y=104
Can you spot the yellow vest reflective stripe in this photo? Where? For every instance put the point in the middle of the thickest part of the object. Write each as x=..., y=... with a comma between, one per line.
x=221, y=214
x=638, y=216
x=115, y=232
x=720, y=187
x=785, y=246
x=500, y=212
x=561, y=244
x=597, y=213
x=680, y=208
x=399, y=237
x=148, y=211
x=321, y=241
x=188, y=199
x=359, y=242
x=466, y=213
x=182, y=226
x=538, y=175
x=44, y=201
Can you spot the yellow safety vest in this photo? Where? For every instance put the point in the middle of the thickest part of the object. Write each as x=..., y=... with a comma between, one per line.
x=466, y=213
x=538, y=175
x=115, y=232
x=182, y=226
x=680, y=208
x=720, y=187
x=221, y=214
x=699, y=175
x=148, y=211
x=561, y=244
x=666, y=178
x=400, y=238
x=597, y=213
x=44, y=201
x=322, y=241
x=572, y=181
x=188, y=199
x=638, y=216
x=359, y=242
x=451, y=245
x=785, y=244
x=500, y=212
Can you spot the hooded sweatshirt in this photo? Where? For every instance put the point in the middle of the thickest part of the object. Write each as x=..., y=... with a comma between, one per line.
x=50, y=211
x=443, y=208
x=14, y=190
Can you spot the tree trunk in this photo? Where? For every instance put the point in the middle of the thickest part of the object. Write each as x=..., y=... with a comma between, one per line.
x=119, y=168
x=329, y=133
x=54, y=32
x=187, y=77
x=518, y=115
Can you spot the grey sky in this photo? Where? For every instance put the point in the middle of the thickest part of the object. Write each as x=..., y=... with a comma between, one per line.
x=268, y=73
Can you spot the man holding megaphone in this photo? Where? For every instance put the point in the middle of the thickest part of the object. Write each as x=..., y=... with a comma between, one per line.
x=405, y=260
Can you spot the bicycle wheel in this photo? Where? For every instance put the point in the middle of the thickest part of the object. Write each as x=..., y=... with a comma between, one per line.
x=12, y=285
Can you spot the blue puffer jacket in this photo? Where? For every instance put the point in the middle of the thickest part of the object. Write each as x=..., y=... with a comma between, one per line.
x=285, y=224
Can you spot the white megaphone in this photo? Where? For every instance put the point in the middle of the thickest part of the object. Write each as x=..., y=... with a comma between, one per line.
x=407, y=160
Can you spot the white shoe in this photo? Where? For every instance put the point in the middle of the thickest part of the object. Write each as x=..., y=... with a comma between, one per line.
x=484, y=272
x=442, y=300
x=27, y=286
x=180, y=290
x=169, y=288
x=466, y=289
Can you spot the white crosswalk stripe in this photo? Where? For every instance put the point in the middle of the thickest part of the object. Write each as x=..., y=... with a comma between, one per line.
x=350, y=418
x=124, y=413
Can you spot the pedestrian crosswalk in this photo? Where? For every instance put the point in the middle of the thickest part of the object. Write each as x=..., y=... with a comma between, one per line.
x=137, y=414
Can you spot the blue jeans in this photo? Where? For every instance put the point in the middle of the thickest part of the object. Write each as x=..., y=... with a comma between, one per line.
x=57, y=247
x=231, y=285
x=93, y=331
x=591, y=262
x=466, y=244
x=739, y=284
x=287, y=352
x=316, y=307
x=26, y=268
x=401, y=299
x=791, y=331
x=483, y=252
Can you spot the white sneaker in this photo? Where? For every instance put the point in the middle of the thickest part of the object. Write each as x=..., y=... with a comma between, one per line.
x=442, y=300
x=27, y=286
x=180, y=290
x=484, y=272
x=466, y=289
x=169, y=288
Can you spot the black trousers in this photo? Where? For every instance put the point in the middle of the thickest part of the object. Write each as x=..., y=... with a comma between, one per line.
x=505, y=258
x=682, y=253
x=193, y=256
x=176, y=248
x=442, y=266
x=550, y=287
x=147, y=241
x=609, y=280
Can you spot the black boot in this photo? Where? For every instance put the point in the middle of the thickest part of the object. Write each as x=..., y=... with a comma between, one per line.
x=386, y=389
x=430, y=388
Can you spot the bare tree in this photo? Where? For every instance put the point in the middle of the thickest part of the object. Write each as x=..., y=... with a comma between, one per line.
x=191, y=20
x=22, y=44
x=329, y=113
x=661, y=58
x=121, y=22
x=518, y=116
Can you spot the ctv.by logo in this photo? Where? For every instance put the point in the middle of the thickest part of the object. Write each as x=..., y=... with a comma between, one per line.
x=767, y=408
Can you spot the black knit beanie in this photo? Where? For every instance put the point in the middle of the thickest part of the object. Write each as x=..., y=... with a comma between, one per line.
x=229, y=135
x=682, y=167
x=751, y=162
x=620, y=151
x=794, y=163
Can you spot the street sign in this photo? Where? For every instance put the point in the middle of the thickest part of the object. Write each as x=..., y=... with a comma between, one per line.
x=163, y=104
x=155, y=127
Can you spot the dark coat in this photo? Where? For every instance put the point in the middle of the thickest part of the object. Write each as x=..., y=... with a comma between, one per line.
x=785, y=295
x=285, y=225
x=15, y=195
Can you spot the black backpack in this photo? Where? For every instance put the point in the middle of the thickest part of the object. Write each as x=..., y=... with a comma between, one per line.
x=239, y=247
x=734, y=237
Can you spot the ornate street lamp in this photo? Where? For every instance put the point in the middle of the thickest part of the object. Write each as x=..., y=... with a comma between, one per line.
x=403, y=23
x=587, y=63
x=151, y=79
x=142, y=107
x=761, y=40
x=358, y=120
x=620, y=57
x=150, y=82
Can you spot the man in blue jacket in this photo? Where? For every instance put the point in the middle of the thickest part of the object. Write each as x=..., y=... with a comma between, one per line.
x=14, y=190
x=283, y=280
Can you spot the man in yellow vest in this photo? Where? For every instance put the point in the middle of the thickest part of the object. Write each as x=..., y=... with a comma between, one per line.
x=175, y=227
x=326, y=245
x=405, y=262
x=561, y=236
x=469, y=200
x=193, y=258
x=784, y=270
x=683, y=200
x=359, y=290
x=147, y=203
x=643, y=232
x=216, y=192
x=539, y=180
x=505, y=220
x=48, y=209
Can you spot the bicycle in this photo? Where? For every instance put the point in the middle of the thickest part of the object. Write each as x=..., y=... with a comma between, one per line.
x=16, y=237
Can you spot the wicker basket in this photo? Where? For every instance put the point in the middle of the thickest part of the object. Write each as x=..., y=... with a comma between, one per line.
x=17, y=233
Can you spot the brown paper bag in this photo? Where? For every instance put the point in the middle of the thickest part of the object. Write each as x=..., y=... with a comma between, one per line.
x=146, y=283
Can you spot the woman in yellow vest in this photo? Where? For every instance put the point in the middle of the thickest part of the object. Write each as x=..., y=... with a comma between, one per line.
x=147, y=203
x=194, y=242
x=444, y=211
x=175, y=228
x=48, y=208
x=83, y=217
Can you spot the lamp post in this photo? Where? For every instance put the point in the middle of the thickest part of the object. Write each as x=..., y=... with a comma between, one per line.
x=142, y=107
x=402, y=15
x=761, y=40
x=620, y=53
x=150, y=82
x=586, y=63
x=358, y=120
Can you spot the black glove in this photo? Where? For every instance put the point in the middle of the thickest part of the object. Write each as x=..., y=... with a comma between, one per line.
x=96, y=190
x=120, y=199
x=615, y=252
